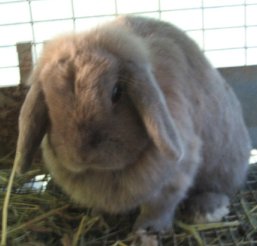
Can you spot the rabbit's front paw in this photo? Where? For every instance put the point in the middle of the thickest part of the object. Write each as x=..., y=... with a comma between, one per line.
x=160, y=224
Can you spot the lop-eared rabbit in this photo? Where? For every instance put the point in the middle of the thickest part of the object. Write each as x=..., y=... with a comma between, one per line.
x=131, y=114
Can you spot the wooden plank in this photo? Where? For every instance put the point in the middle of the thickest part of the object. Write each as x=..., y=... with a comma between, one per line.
x=25, y=60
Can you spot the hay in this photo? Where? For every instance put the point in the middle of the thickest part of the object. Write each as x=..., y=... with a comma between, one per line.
x=45, y=216
x=6, y=203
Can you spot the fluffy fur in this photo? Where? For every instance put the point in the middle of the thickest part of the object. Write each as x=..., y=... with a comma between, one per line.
x=175, y=134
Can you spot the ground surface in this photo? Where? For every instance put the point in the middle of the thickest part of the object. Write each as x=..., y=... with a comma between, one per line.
x=39, y=214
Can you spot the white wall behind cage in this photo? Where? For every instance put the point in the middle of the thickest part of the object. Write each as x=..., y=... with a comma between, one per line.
x=226, y=30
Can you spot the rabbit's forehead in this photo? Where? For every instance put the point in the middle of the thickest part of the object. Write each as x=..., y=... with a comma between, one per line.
x=95, y=64
x=83, y=67
x=95, y=58
x=97, y=77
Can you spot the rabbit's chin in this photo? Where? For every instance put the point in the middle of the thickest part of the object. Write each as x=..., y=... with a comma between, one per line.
x=97, y=167
x=91, y=163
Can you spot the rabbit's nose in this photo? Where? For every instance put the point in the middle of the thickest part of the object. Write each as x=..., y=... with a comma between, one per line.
x=95, y=139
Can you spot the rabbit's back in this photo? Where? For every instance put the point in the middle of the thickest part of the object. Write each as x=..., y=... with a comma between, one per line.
x=201, y=102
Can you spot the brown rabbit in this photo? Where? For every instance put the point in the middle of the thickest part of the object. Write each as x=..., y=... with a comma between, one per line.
x=132, y=114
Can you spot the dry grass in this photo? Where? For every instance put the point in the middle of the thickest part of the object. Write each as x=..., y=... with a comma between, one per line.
x=45, y=216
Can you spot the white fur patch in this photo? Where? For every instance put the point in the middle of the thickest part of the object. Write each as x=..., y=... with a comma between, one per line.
x=216, y=216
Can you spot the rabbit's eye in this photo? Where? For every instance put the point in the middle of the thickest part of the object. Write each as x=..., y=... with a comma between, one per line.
x=116, y=93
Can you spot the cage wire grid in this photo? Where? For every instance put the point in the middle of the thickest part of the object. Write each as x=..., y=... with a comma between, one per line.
x=201, y=32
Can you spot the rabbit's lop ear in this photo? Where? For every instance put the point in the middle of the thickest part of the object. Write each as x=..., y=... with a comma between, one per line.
x=151, y=104
x=32, y=126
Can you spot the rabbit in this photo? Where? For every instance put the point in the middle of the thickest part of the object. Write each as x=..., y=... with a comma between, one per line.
x=131, y=114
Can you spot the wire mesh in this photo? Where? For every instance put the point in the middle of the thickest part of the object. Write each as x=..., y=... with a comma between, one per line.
x=195, y=17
